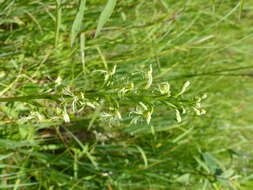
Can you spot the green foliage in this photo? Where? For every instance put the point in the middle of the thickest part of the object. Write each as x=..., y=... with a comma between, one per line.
x=76, y=27
x=155, y=95
x=105, y=15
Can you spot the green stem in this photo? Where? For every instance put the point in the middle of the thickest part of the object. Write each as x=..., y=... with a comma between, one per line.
x=54, y=97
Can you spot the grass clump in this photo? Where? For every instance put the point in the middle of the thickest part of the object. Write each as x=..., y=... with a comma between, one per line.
x=125, y=95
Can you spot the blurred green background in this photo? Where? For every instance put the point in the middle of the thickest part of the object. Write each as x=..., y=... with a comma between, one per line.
x=113, y=111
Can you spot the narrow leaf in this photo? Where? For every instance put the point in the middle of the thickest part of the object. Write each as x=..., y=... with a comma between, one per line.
x=66, y=116
x=4, y=156
x=82, y=49
x=76, y=27
x=58, y=21
x=105, y=15
x=211, y=162
x=144, y=157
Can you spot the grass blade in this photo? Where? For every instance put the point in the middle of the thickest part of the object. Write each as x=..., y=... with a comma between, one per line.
x=144, y=157
x=58, y=21
x=241, y=9
x=82, y=50
x=33, y=97
x=76, y=27
x=10, y=186
x=105, y=15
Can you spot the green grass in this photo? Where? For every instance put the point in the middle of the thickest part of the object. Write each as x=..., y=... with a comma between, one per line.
x=143, y=95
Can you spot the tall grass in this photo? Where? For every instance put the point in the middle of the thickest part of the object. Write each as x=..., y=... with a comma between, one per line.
x=125, y=94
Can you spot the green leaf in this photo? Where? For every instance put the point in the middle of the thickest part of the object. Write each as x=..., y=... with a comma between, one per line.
x=211, y=162
x=5, y=186
x=4, y=156
x=76, y=27
x=58, y=21
x=82, y=49
x=202, y=164
x=184, y=179
x=144, y=157
x=105, y=15
x=12, y=144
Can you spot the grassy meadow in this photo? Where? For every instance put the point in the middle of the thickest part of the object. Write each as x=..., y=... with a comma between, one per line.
x=126, y=95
